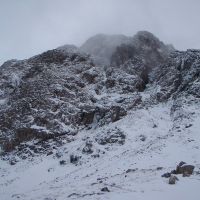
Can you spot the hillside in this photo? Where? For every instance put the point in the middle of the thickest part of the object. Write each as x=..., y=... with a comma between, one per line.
x=103, y=121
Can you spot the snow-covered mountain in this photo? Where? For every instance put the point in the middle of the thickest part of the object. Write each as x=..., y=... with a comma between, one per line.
x=102, y=126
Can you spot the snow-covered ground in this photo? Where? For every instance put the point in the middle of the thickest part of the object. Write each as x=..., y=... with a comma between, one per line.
x=153, y=139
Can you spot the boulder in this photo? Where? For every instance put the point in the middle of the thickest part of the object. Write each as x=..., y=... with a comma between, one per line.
x=166, y=175
x=185, y=169
x=88, y=148
x=59, y=154
x=172, y=180
x=105, y=189
x=74, y=159
x=62, y=162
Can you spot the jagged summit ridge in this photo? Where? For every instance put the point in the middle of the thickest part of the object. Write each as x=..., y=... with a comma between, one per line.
x=102, y=47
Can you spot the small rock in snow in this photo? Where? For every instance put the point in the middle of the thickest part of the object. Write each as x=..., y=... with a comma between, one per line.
x=62, y=162
x=166, y=175
x=172, y=180
x=105, y=189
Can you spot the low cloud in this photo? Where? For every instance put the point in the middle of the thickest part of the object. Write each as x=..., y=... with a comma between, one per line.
x=29, y=27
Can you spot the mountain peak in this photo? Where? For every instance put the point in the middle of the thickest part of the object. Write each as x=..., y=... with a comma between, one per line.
x=74, y=120
x=102, y=46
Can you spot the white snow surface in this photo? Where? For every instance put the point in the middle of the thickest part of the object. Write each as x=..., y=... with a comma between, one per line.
x=165, y=146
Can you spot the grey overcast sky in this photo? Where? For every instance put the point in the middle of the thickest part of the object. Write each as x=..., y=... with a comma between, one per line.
x=28, y=27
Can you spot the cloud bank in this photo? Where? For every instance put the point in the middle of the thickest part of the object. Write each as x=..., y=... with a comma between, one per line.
x=28, y=27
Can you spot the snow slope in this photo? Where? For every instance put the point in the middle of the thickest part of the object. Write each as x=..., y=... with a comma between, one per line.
x=153, y=139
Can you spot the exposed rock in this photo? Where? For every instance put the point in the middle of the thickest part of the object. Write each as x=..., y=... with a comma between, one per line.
x=62, y=96
x=166, y=175
x=182, y=168
x=110, y=83
x=179, y=75
x=49, y=153
x=142, y=138
x=181, y=163
x=124, y=80
x=144, y=45
x=88, y=148
x=188, y=126
x=61, y=91
x=62, y=162
x=111, y=136
x=186, y=174
x=74, y=159
x=49, y=198
x=90, y=76
x=43, y=93
x=105, y=189
x=117, y=112
x=95, y=155
x=131, y=170
x=87, y=115
x=59, y=154
x=172, y=180
x=185, y=169
x=155, y=126
x=107, y=114
x=13, y=161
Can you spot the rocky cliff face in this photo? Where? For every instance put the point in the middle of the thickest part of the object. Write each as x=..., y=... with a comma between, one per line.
x=62, y=91
x=144, y=46
x=179, y=75
x=35, y=94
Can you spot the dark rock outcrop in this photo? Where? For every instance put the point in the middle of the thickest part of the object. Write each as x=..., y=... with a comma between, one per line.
x=143, y=46
x=184, y=169
x=172, y=180
x=88, y=148
x=166, y=175
x=74, y=159
x=105, y=189
x=111, y=136
x=179, y=75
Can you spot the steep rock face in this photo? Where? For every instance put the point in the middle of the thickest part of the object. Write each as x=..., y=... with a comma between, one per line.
x=51, y=95
x=41, y=96
x=179, y=76
x=131, y=60
x=144, y=45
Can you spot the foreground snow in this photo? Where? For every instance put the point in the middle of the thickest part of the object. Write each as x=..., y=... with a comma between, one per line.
x=166, y=143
